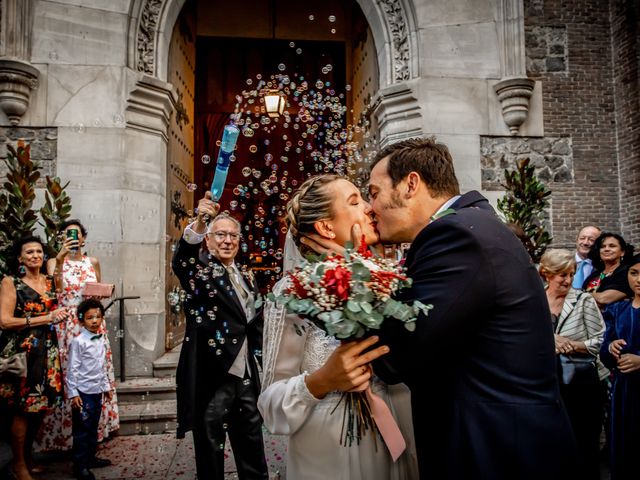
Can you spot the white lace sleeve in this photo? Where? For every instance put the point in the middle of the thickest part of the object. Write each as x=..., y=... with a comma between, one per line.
x=285, y=401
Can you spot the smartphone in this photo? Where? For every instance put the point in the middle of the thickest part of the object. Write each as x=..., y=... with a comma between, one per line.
x=73, y=235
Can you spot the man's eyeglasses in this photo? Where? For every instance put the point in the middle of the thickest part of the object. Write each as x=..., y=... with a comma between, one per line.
x=221, y=236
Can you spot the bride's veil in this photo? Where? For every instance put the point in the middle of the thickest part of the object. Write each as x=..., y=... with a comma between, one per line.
x=274, y=314
x=292, y=257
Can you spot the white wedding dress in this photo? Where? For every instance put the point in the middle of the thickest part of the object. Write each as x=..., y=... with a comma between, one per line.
x=293, y=348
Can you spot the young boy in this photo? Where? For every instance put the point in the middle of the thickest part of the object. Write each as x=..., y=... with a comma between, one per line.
x=86, y=382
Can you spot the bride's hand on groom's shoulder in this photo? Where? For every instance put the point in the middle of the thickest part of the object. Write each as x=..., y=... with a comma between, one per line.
x=346, y=369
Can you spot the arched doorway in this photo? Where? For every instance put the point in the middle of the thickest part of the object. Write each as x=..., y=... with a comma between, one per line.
x=323, y=59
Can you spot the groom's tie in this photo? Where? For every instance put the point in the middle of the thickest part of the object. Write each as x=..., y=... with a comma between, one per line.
x=578, y=278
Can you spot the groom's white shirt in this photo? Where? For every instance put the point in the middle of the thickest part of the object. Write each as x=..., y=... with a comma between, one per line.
x=447, y=204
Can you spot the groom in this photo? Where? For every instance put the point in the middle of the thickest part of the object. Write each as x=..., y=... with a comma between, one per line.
x=481, y=366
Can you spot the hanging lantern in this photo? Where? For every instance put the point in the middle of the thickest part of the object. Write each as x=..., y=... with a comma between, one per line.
x=274, y=102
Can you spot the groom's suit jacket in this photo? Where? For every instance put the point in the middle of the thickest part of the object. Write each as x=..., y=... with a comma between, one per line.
x=216, y=329
x=481, y=366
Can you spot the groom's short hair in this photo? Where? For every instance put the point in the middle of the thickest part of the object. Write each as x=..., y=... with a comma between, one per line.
x=431, y=160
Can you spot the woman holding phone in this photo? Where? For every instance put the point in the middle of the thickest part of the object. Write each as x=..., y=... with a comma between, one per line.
x=72, y=270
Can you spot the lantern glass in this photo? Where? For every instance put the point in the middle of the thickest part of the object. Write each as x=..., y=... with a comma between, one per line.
x=272, y=104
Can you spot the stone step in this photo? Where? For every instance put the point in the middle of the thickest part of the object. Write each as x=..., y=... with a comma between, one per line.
x=166, y=365
x=144, y=418
x=146, y=389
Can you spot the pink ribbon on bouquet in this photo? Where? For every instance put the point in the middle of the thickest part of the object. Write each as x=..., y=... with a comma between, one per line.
x=386, y=424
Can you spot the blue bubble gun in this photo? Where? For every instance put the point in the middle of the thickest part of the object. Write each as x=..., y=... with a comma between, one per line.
x=229, y=139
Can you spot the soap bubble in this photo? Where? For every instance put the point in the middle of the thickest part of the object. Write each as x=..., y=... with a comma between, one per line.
x=312, y=18
x=191, y=187
x=282, y=67
x=332, y=18
x=206, y=159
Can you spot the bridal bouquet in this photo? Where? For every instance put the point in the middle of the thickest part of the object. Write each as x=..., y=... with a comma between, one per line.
x=349, y=296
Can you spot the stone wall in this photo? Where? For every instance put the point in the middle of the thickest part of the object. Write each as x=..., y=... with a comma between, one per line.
x=579, y=103
x=546, y=49
x=551, y=157
x=625, y=37
x=44, y=148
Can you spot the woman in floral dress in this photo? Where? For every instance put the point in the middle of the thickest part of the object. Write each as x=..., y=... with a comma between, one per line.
x=72, y=270
x=26, y=316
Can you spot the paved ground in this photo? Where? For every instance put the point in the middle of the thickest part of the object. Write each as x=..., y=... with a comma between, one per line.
x=158, y=457
x=155, y=457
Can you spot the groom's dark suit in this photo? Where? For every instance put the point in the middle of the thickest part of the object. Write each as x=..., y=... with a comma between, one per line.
x=481, y=366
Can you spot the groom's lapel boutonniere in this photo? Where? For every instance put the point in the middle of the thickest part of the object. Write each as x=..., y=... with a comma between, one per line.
x=441, y=214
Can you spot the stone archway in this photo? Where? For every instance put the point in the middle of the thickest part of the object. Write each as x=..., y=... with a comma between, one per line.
x=394, y=28
x=392, y=23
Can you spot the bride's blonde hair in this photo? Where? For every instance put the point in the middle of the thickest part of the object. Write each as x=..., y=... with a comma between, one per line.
x=308, y=205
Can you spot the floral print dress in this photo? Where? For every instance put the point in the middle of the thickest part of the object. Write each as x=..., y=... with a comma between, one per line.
x=56, y=431
x=41, y=390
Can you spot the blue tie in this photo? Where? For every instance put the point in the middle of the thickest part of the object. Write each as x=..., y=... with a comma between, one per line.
x=578, y=278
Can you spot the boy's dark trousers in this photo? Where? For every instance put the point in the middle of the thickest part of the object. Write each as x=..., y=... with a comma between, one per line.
x=85, y=429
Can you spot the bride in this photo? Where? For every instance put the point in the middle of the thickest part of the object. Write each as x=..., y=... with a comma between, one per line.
x=305, y=370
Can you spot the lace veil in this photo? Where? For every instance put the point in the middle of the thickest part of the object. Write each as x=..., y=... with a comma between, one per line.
x=275, y=315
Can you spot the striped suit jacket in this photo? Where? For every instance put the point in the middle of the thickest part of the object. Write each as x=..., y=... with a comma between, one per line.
x=581, y=321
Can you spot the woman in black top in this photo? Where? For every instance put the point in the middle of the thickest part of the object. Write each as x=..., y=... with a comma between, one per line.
x=608, y=281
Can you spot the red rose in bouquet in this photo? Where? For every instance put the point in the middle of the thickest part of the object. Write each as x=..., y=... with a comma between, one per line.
x=336, y=282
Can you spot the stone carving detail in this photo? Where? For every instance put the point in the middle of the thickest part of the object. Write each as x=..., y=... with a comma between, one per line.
x=395, y=18
x=146, y=37
x=17, y=79
x=150, y=106
x=397, y=23
x=397, y=114
x=552, y=158
x=514, y=95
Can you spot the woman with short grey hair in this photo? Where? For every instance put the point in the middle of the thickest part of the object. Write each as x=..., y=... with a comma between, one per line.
x=579, y=332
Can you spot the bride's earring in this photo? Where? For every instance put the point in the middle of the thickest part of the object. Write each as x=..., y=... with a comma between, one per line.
x=332, y=235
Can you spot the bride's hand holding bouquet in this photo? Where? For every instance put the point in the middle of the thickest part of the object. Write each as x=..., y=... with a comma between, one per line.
x=347, y=369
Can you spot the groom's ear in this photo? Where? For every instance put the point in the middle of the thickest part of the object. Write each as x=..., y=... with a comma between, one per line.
x=324, y=229
x=412, y=185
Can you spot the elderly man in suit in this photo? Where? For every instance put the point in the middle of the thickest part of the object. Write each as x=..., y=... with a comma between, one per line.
x=481, y=366
x=217, y=378
x=586, y=238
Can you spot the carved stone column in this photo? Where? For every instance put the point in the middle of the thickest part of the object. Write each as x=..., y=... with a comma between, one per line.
x=150, y=105
x=397, y=114
x=17, y=76
x=515, y=90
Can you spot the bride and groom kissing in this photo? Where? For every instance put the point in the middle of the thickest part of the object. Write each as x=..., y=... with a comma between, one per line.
x=481, y=367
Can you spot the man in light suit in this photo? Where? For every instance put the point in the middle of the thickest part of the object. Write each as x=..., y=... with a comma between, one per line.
x=217, y=378
x=481, y=366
